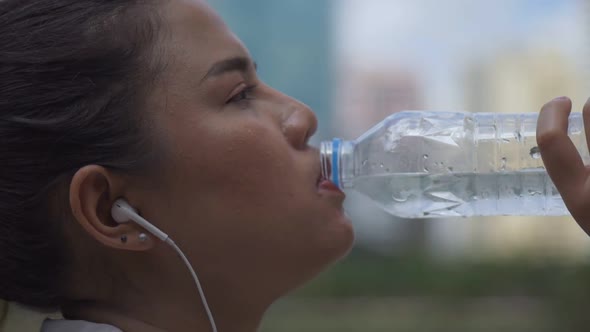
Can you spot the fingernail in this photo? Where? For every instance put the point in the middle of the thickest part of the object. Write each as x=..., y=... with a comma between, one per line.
x=561, y=98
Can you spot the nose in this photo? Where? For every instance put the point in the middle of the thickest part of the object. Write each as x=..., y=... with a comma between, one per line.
x=299, y=124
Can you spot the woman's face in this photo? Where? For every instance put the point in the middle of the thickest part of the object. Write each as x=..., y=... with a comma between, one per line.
x=238, y=189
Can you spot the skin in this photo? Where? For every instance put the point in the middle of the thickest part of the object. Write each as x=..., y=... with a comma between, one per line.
x=562, y=160
x=237, y=192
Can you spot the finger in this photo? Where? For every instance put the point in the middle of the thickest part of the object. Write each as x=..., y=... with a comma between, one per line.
x=560, y=156
x=586, y=116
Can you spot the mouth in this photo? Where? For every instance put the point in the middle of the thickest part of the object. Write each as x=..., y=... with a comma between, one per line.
x=325, y=185
x=319, y=179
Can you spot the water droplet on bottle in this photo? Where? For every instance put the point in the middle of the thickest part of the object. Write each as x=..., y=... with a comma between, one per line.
x=381, y=165
x=535, y=153
x=425, y=156
x=535, y=192
x=574, y=129
x=401, y=196
x=426, y=169
x=399, y=199
x=365, y=163
x=503, y=164
x=450, y=169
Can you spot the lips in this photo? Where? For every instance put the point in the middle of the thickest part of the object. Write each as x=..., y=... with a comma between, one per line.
x=329, y=185
x=324, y=184
x=319, y=179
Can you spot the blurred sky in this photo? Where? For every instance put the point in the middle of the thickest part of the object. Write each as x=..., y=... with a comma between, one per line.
x=436, y=38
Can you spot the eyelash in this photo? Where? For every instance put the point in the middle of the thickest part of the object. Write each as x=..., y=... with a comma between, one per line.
x=243, y=95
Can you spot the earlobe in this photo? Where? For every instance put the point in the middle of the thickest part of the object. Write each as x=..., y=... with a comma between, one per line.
x=93, y=191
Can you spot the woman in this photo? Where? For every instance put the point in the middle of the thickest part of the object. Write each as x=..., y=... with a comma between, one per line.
x=157, y=103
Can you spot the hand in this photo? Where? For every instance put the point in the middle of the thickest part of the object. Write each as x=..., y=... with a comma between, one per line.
x=562, y=160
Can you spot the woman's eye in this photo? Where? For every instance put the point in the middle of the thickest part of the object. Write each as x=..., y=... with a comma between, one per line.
x=245, y=94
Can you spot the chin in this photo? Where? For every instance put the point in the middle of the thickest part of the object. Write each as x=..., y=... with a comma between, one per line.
x=341, y=245
x=316, y=252
x=338, y=241
x=308, y=268
x=331, y=248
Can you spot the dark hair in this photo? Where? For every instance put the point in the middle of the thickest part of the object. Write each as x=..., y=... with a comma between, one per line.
x=74, y=75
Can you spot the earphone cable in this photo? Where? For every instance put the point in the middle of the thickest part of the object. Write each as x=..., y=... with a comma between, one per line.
x=197, y=282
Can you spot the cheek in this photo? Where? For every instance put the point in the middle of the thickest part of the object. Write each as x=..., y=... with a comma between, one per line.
x=235, y=194
x=244, y=167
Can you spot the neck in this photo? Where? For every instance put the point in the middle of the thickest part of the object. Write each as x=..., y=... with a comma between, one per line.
x=152, y=302
x=144, y=297
x=158, y=314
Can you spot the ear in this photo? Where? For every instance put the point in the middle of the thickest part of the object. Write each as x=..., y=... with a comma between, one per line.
x=93, y=191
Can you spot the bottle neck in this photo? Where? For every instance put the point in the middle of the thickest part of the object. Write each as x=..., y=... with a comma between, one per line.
x=337, y=162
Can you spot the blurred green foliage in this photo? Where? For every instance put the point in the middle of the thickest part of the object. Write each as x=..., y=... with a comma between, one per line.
x=364, y=274
x=368, y=292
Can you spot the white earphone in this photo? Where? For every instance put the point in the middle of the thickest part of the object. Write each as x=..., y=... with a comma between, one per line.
x=122, y=213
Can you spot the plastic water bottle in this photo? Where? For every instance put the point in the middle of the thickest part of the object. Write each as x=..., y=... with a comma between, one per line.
x=451, y=164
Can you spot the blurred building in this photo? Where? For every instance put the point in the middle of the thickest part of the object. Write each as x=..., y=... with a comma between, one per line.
x=365, y=97
x=291, y=40
x=514, y=82
x=522, y=81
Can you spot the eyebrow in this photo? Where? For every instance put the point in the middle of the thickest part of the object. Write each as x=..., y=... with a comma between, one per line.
x=241, y=64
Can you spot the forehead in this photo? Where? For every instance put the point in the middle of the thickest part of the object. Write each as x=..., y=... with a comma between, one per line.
x=196, y=36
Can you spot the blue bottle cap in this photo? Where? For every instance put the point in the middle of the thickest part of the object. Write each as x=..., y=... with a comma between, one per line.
x=336, y=161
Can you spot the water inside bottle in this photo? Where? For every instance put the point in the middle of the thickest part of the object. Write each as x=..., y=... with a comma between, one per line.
x=453, y=164
x=423, y=195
